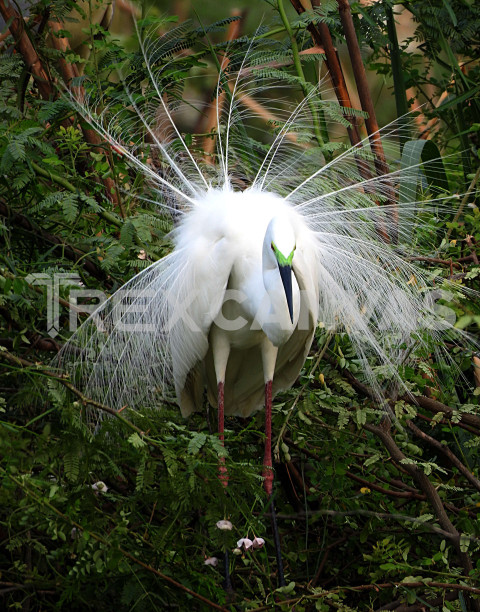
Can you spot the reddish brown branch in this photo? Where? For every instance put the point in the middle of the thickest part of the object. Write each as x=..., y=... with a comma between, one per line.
x=366, y=101
x=376, y=587
x=436, y=407
x=67, y=251
x=443, y=262
x=390, y=492
x=472, y=430
x=70, y=72
x=326, y=554
x=382, y=431
x=470, y=241
x=321, y=36
x=446, y=452
x=433, y=604
x=24, y=45
x=428, y=403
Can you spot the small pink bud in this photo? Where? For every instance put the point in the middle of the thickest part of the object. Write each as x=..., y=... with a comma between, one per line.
x=224, y=525
x=258, y=542
x=100, y=486
x=245, y=542
x=213, y=561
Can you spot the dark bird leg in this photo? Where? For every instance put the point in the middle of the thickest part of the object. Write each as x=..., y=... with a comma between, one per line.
x=223, y=476
x=267, y=458
x=276, y=540
x=227, y=583
x=268, y=476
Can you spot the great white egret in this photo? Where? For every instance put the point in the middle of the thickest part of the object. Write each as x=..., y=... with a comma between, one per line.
x=257, y=318
x=269, y=243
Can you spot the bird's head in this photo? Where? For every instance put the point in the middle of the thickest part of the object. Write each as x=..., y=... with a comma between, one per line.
x=279, y=250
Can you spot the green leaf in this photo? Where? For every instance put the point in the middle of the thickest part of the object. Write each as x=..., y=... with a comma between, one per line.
x=136, y=441
x=196, y=443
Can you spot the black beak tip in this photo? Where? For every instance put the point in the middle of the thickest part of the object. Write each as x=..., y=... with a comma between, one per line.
x=290, y=308
x=286, y=276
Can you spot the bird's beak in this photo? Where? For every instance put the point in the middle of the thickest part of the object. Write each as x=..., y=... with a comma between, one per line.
x=286, y=276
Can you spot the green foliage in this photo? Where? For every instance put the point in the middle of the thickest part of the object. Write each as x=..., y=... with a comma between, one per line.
x=101, y=520
x=436, y=56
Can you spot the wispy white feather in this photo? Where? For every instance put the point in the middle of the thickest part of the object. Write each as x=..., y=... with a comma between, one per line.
x=151, y=338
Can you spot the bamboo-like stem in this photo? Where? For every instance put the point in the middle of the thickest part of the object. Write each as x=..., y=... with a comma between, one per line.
x=366, y=102
x=24, y=45
x=70, y=72
x=396, y=62
x=298, y=67
x=362, y=83
x=322, y=37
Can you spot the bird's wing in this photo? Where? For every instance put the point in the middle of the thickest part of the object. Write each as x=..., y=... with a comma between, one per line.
x=198, y=297
x=152, y=331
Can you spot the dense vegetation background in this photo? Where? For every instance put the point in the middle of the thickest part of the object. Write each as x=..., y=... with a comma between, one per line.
x=372, y=515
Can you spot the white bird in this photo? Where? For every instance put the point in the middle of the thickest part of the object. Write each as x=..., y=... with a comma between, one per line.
x=255, y=319
x=234, y=307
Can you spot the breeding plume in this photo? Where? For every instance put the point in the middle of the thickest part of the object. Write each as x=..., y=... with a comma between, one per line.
x=273, y=237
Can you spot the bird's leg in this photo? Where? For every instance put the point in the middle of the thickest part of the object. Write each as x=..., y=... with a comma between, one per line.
x=268, y=476
x=227, y=582
x=221, y=351
x=267, y=458
x=278, y=550
x=269, y=357
x=222, y=469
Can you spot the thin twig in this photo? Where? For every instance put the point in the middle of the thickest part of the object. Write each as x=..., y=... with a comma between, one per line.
x=23, y=363
x=455, y=461
x=68, y=251
x=104, y=541
x=464, y=201
x=373, y=587
x=321, y=353
x=382, y=431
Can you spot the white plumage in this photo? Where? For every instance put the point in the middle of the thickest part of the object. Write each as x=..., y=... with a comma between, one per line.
x=226, y=243
x=164, y=328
